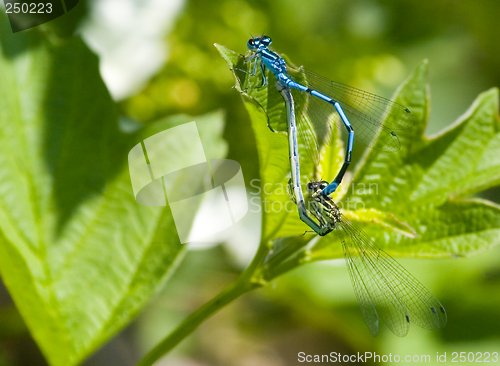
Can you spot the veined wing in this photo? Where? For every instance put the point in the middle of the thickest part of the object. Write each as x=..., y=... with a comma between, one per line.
x=373, y=118
x=384, y=288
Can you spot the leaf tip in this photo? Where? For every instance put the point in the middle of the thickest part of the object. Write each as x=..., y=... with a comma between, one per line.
x=422, y=68
x=219, y=47
x=494, y=92
x=488, y=98
x=413, y=91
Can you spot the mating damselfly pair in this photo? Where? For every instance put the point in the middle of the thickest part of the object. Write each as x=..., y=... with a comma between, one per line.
x=314, y=105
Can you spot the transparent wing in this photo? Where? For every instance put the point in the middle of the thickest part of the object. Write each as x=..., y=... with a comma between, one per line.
x=373, y=118
x=367, y=305
x=315, y=119
x=384, y=288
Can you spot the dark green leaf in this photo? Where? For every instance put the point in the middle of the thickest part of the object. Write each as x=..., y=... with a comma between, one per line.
x=78, y=254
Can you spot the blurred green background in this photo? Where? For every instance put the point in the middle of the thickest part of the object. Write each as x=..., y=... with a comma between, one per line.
x=164, y=52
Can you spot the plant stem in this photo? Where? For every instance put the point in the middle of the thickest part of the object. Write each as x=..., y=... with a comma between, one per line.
x=192, y=322
x=243, y=284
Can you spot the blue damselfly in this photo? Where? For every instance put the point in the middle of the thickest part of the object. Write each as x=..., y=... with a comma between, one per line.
x=314, y=105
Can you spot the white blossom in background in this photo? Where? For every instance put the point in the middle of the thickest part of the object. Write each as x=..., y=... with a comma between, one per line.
x=129, y=37
x=241, y=240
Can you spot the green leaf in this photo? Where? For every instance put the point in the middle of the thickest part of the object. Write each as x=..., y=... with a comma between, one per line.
x=420, y=184
x=385, y=219
x=411, y=202
x=78, y=254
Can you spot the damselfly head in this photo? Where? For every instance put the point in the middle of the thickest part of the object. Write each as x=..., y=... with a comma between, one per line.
x=313, y=187
x=256, y=42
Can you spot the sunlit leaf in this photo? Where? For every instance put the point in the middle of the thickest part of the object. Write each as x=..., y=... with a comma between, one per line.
x=78, y=254
x=407, y=201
